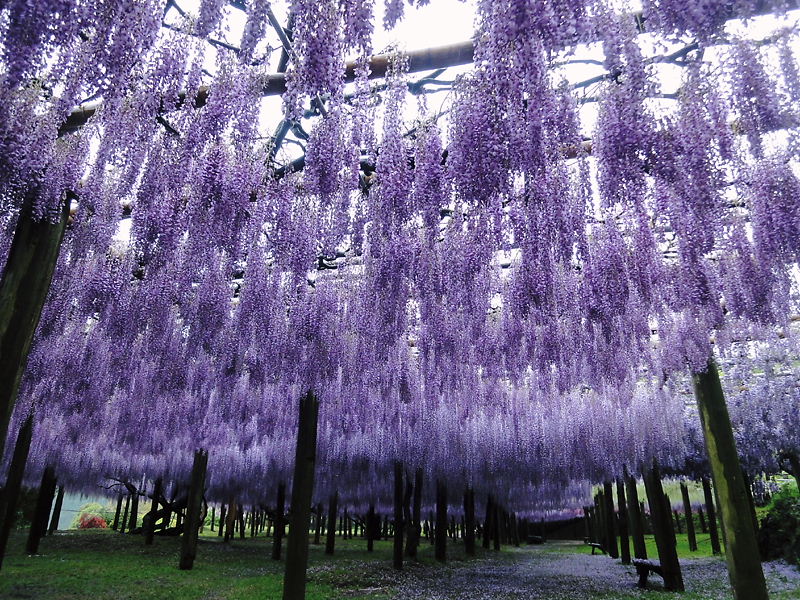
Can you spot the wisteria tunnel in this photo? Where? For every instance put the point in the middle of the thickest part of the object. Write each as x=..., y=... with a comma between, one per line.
x=388, y=299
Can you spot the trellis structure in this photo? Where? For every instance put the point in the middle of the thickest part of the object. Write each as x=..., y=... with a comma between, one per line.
x=204, y=197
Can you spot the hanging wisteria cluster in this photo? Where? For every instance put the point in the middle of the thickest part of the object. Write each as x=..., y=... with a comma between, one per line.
x=492, y=295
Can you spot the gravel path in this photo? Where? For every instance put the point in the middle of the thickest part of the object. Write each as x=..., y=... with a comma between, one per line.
x=533, y=573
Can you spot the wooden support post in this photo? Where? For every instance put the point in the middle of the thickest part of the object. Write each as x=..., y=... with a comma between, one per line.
x=702, y=517
x=496, y=514
x=317, y=524
x=150, y=525
x=222, y=515
x=399, y=525
x=240, y=512
x=194, y=502
x=280, y=529
x=687, y=509
x=330, y=534
x=305, y=460
x=487, y=522
x=25, y=282
x=676, y=516
x=469, y=522
x=213, y=516
x=441, y=521
x=636, y=520
x=610, y=520
x=622, y=510
x=514, y=529
x=56, y=511
x=741, y=549
x=599, y=514
x=415, y=530
x=16, y=472
x=44, y=501
x=711, y=511
x=115, y=526
x=371, y=527
x=663, y=531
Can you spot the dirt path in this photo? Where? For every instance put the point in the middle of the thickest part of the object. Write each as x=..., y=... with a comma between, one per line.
x=533, y=573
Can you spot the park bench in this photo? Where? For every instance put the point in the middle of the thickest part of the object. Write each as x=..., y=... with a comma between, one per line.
x=596, y=546
x=535, y=539
x=644, y=568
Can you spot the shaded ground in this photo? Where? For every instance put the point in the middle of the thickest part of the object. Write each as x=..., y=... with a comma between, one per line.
x=103, y=565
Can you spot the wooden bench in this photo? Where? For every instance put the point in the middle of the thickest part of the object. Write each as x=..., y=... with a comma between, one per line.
x=644, y=568
x=535, y=539
x=596, y=546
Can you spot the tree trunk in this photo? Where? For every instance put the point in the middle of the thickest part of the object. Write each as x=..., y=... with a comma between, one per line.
x=305, y=460
x=133, y=517
x=398, y=516
x=191, y=524
x=117, y=513
x=741, y=549
x=330, y=534
x=123, y=525
x=687, y=509
x=441, y=521
x=16, y=472
x=636, y=520
x=622, y=510
x=469, y=522
x=317, y=524
x=663, y=531
x=44, y=501
x=150, y=528
x=26, y=280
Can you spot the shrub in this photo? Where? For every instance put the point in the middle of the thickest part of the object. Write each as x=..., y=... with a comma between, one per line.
x=779, y=534
x=93, y=509
x=87, y=521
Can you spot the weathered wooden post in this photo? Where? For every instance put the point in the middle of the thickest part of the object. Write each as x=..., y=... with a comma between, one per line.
x=44, y=501
x=622, y=511
x=191, y=524
x=371, y=528
x=305, y=460
x=330, y=534
x=741, y=548
x=317, y=524
x=687, y=509
x=16, y=472
x=711, y=511
x=150, y=526
x=663, y=531
x=636, y=520
x=441, y=521
x=399, y=525
x=702, y=517
x=487, y=522
x=415, y=530
x=280, y=528
x=56, y=511
x=26, y=280
x=610, y=520
x=213, y=516
x=469, y=522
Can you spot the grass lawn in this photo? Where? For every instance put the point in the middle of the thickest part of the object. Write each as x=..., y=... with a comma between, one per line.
x=104, y=565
